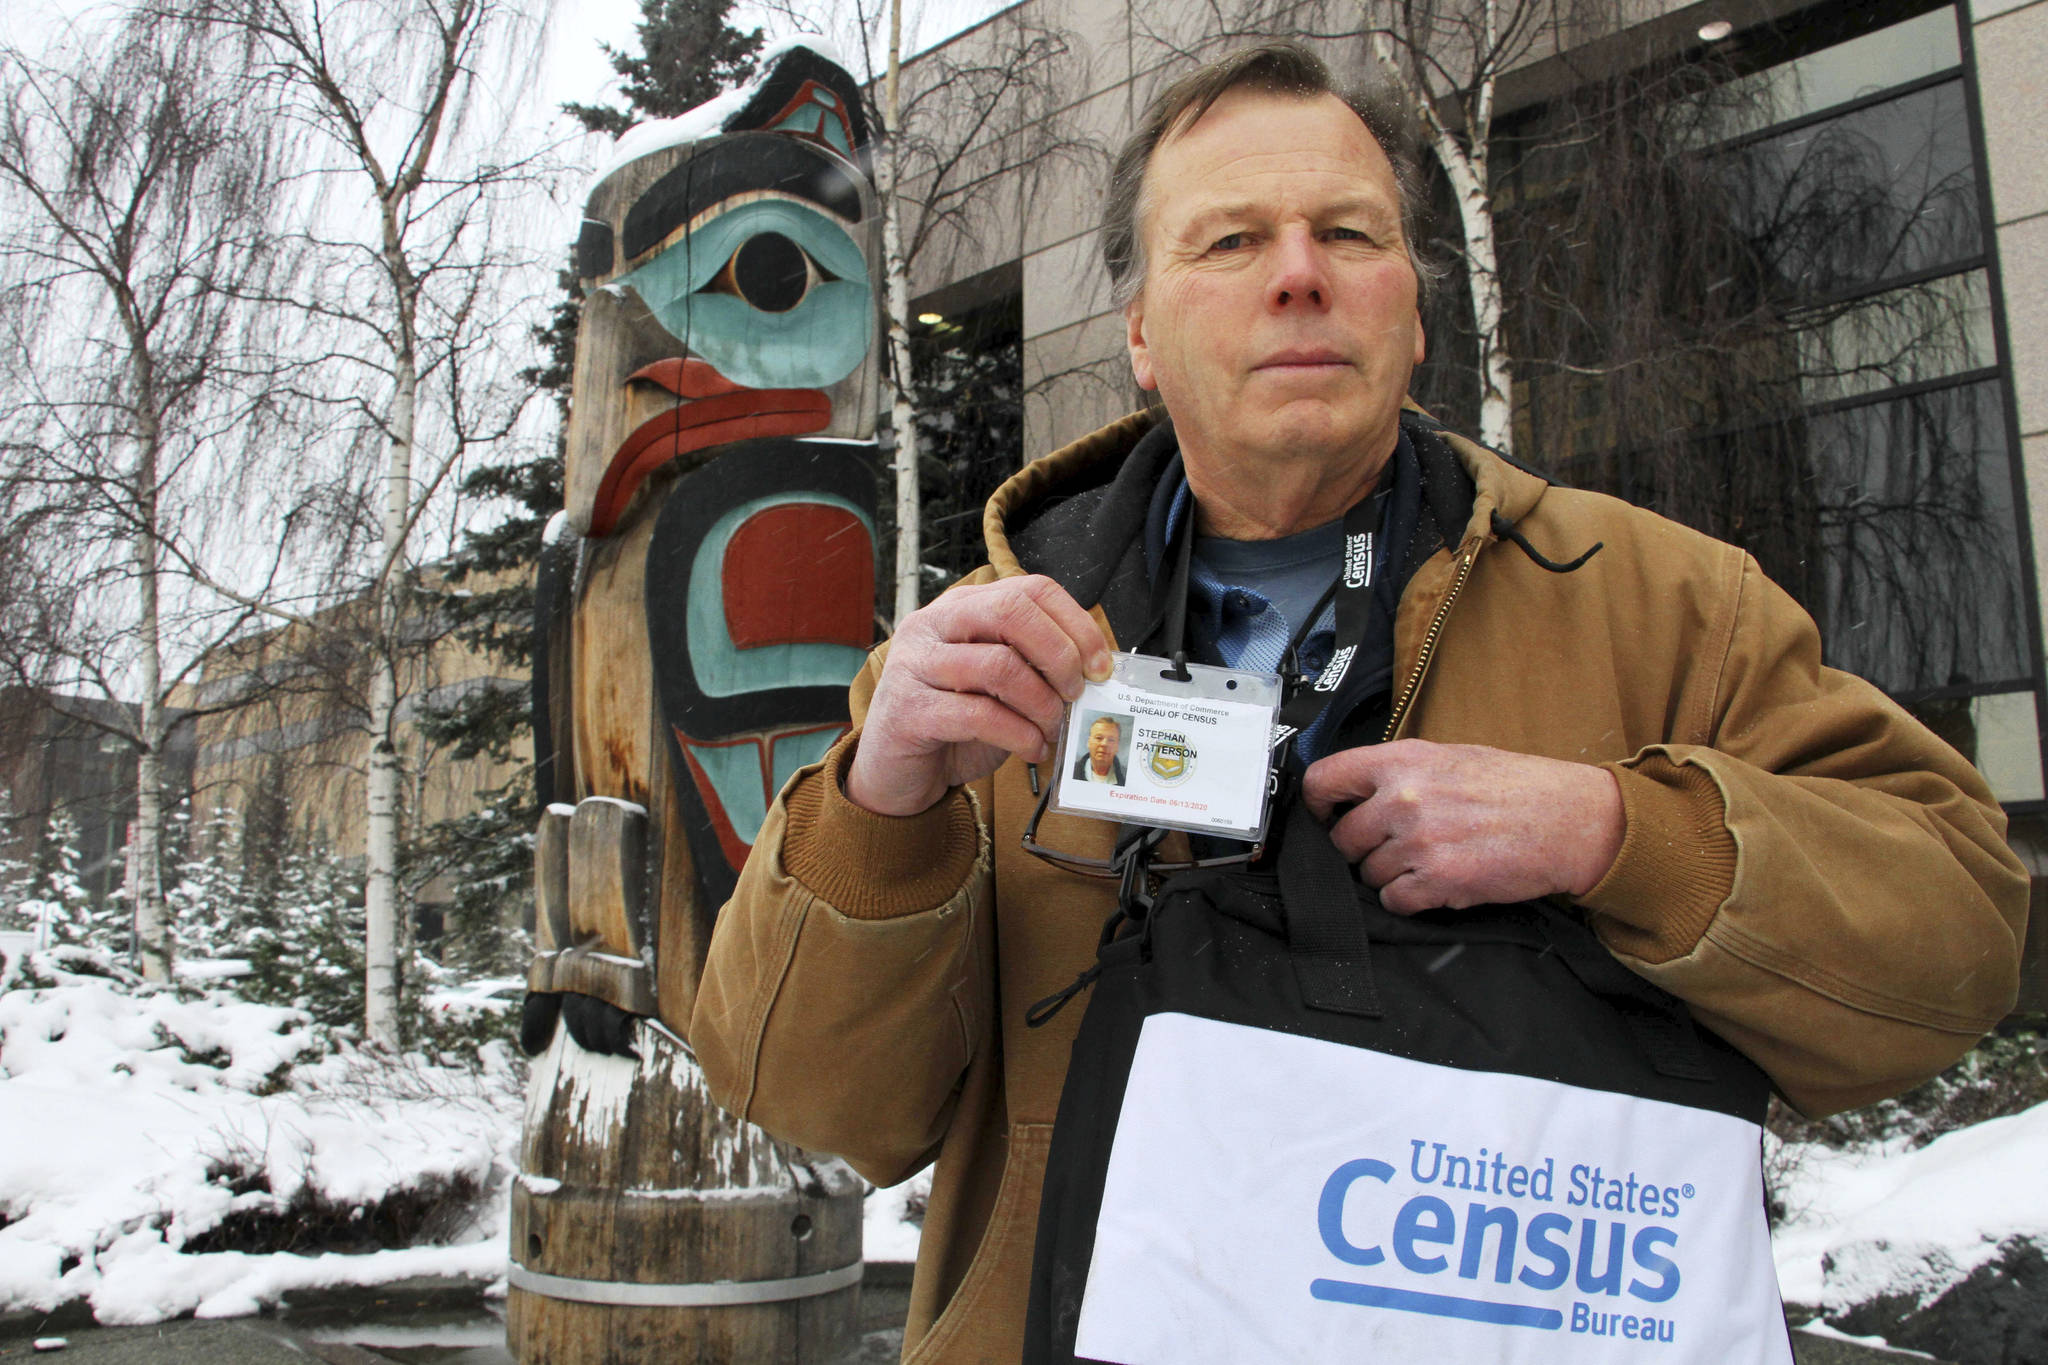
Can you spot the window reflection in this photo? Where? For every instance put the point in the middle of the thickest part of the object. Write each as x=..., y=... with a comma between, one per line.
x=1935, y=329
x=1887, y=191
x=1866, y=65
x=1759, y=306
x=1920, y=587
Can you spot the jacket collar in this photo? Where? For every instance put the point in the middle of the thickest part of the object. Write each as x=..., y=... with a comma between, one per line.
x=1023, y=525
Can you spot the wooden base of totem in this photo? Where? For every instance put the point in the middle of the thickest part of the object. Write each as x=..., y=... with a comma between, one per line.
x=539, y=1329
x=650, y=1226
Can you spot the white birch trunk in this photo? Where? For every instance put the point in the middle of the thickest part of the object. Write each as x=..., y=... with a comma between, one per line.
x=380, y=895
x=1465, y=163
x=145, y=860
x=146, y=882
x=902, y=418
x=1482, y=274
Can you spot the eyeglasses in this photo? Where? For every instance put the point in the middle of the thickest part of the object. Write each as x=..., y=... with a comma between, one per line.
x=1131, y=852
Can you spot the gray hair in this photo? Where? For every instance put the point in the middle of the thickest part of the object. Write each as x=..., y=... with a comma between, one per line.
x=1279, y=68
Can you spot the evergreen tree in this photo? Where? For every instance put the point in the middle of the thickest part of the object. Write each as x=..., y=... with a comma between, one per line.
x=209, y=899
x=48, y=894
x=305, y=945
x=689, y=53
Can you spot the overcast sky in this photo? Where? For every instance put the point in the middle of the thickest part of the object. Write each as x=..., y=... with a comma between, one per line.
x=525, y=113
x=576, y=66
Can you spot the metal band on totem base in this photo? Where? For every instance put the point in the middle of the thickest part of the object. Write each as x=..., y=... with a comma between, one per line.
x=718, y=1294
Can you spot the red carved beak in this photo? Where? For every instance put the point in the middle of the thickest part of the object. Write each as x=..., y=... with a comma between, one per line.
x=712, y=411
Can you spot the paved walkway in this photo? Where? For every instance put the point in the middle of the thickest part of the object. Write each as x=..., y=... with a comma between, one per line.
x=301, y=1337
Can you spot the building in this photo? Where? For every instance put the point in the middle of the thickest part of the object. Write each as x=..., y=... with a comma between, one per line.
x=1872, y=421
x=282, y=739
x=72, y=757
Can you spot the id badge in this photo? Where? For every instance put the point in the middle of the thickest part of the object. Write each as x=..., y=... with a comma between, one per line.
x=1147, y=749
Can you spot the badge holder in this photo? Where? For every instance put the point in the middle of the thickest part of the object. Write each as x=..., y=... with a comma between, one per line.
x=1173, y=727
x=1187, y=749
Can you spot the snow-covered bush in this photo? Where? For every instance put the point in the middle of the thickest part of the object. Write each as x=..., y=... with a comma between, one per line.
x=48, y=897
x=206, y=897
x=305, y=941
x=247, y=1145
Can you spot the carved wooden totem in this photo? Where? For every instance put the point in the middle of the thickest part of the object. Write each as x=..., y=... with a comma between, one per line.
x=705, y=598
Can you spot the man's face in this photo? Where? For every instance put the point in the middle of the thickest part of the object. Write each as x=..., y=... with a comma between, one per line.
x=1278, y=316
x=1103, y=737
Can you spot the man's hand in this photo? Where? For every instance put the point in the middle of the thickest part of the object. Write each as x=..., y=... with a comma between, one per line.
x=1460, y=824
x=978, y=675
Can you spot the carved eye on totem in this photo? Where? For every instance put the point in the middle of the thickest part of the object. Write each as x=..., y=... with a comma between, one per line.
x=772, y=293
x=770, y=272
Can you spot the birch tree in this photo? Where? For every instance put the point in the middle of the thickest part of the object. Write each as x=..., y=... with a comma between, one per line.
x=136, y=168
x=896, y=278
x=1447, y=57
x=388, y=92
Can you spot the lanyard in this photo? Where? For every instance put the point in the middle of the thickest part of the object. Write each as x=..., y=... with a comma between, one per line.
x=1363, y=524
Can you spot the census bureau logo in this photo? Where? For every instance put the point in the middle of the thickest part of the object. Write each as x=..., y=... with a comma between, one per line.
x=1169, y=757
x=1340, y=663
x=1512, y=1243
x=1358, y=559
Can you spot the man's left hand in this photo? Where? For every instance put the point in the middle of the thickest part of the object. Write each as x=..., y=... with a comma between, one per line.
x=1461, y=824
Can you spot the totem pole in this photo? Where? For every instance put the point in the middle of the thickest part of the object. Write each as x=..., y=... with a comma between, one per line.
x=705, y=597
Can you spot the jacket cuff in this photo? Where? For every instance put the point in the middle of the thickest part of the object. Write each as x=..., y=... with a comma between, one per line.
x=869, y=866
x=1676, y=867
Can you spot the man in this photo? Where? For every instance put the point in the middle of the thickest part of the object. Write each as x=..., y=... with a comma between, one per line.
x=1650, y=735
x=1100, y=763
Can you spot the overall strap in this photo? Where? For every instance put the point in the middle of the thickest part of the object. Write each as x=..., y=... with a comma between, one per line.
x=1326, y=934
x=1660, y=1024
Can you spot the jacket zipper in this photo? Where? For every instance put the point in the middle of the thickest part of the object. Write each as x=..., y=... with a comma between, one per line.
x=1428, y=650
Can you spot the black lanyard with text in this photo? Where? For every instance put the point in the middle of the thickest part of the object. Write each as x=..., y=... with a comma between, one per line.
x=1353, y=591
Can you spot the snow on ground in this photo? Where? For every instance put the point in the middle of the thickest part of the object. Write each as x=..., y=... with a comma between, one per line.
x=888, y=1235
x=133, y=1121
x=1887, y=1220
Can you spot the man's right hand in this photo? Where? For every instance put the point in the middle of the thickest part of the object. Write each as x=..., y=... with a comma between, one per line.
x=982, y=673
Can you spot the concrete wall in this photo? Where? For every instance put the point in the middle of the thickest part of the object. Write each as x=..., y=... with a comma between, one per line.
x=2011, y=42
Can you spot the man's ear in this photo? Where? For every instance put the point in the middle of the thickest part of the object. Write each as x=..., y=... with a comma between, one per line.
x=1134, y=337
x=1421, y=341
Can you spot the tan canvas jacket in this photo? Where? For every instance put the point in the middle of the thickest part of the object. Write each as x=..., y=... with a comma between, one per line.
x=1822, y=880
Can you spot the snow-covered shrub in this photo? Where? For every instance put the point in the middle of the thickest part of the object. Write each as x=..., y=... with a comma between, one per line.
x=207, y=899
x=156, y=1142
x=48, y=896
x=305, y=941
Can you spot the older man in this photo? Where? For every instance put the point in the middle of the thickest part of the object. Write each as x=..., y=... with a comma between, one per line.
x=1651, y=735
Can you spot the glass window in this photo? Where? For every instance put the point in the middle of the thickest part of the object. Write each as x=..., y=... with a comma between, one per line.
x=1893, y=56
x=1920, y=587
x=1887, y=191
x=1935, y=329
x=2007, y=748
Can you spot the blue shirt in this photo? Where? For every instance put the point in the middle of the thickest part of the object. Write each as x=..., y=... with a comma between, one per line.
x=1246, y=598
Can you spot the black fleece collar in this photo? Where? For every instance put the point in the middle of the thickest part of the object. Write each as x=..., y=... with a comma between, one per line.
x=1091, y=539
